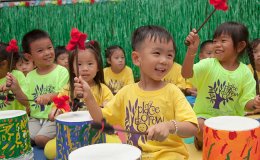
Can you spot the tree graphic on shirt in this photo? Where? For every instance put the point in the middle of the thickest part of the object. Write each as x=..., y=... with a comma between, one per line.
x=115, y=85
x=221, y=93
x=129, y=123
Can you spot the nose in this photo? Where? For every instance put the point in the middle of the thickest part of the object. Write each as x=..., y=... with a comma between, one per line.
x=163, y=60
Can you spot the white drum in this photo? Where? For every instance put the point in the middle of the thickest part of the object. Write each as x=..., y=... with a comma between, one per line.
x=231, y=137
x=15, y=140
x=106, y=151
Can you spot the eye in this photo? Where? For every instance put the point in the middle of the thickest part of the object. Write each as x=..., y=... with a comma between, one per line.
x=156, y=53
x=39, y=50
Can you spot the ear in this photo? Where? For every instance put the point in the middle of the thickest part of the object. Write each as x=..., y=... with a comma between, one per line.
x=136, y=58
x=108, y=61
x=28, y=56
x=241, y=46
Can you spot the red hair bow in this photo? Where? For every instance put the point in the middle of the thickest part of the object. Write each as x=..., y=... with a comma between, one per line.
x=219, y=4
x=77, y=39
x=12, y=47
x=62, y=102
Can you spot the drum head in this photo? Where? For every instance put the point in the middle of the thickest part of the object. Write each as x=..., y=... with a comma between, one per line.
x=106, y=151
x=79, y=116
x=232, y=123
x=11, y=114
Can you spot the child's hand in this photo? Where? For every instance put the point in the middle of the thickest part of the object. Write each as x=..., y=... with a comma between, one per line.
x=45, y=98
x=158, y=132
x=257, y=102
x=12, y=83
x=81, y=87
x=193, y=40
x=53, y=115
x=192, y=91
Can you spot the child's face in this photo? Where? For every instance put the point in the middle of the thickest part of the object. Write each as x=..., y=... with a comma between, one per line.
x=42, y=52
x=256, y=53
x=3, y=68
x=154, y=58
x=207, y=52
x=117, y=60
x=25, y=66
x=88, y=66
x=224, y=48
x=62, y=60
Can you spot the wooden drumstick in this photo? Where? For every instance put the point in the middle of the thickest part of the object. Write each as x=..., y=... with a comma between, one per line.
x=111, y=130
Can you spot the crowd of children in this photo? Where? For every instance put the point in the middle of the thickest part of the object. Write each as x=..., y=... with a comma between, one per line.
x=219, y=84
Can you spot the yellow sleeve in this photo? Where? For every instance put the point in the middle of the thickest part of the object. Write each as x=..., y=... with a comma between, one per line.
x=113, y=110
x=130, y=76
x=183, y=111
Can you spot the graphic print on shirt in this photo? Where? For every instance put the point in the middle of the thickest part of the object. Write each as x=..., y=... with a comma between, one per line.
x=115, y=85
x=4, y=103
x=40, y=90
x=139, y=117
x=221, y=93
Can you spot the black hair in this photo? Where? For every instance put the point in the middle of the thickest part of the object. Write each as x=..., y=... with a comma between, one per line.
x=58, y=51
x=32, y=36
x=94, y=47
x=110, y=50
x=237, y=31
x=152, y=32
x=205, y=43
x=4, y=55
x=251, y=47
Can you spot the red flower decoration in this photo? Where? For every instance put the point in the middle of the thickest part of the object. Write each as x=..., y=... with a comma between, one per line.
x=62, y=102
x=12, y=47
x=219, y=4
x=27, y=4
x=59, y=2
x=77, y=39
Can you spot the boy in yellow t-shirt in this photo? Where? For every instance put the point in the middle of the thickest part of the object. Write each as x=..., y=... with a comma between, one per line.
x=151, y=105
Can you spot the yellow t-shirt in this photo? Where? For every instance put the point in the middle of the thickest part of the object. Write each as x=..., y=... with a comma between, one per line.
x=116, y=81
x=136, y=110
x=101, y=96
x=174, y=76
x=257, y=72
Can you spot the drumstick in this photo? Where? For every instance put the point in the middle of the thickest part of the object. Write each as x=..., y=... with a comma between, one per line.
x=10, y=97
x=111, y=130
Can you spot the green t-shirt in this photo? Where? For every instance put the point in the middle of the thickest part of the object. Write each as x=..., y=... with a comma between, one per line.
x=221, y=92
x=13, y=105
x=37, y=84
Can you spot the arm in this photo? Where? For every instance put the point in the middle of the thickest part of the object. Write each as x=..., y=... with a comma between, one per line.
x=82, y=87
x=16, y=89
x=45, y=98
x=253, y=104
x=187, y=67
x=161, y=131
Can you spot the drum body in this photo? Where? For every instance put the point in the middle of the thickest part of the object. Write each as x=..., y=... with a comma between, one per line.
x=231, y=137
x=73, y=131
x=106, y=151
x=15, y=140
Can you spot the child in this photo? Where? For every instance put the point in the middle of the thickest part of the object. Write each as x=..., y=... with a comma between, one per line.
x=44, y=83
x=91, y=69
x=117, y=74
x=18, y=78
x=151, y=105
x=206, y=51
x=24, y=65
x=225, y=85
x=61, y=56
x=254, y=56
